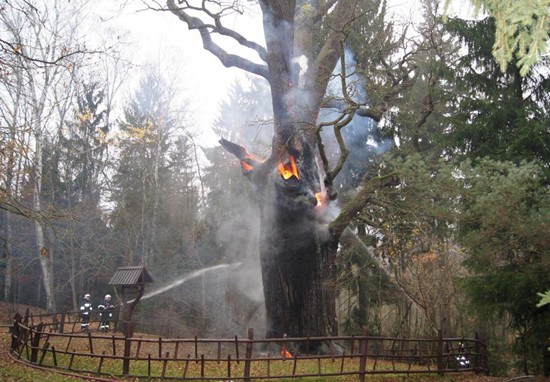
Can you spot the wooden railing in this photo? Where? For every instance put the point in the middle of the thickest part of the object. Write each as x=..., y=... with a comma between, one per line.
x=239, y=358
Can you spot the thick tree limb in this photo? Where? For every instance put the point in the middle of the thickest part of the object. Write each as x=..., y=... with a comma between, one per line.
x=254, y=167
x=322, y=11
x=222, y=30
x=235, y=149
x=352, y=208
x=341, y=17
x=227, y=59
x=374, y=113
x=248, y=161
x=344, y=151
x=370, y=112
x=369, y=222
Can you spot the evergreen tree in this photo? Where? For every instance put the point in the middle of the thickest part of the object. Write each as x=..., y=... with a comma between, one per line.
x=501, y=125
x=156, y=191
x=500, y=115
x=79, y=158
x=142, y=174
x=504, y=229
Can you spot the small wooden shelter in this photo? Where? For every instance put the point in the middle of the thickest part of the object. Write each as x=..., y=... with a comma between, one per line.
x=129, y=283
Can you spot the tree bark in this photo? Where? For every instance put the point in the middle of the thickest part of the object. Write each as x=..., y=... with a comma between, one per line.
x=8, y=283
x=297, y=263
x=44, y=255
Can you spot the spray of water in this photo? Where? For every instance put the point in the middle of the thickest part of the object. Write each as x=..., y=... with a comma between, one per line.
x=185, y=278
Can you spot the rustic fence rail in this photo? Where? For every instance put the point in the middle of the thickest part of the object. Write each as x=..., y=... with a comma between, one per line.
x=47, y=343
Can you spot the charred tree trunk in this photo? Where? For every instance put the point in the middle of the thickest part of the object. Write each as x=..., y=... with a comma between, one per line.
x=297, y=252
x=297, y=270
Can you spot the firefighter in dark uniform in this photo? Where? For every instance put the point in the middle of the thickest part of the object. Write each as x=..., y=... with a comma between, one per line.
x=105, y=313
x=86, y=312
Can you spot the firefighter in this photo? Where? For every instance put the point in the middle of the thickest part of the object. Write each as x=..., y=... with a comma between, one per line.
x=85, y=312
x=461, y=359
x=105, y=313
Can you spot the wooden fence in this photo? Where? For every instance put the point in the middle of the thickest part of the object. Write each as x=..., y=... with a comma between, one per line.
x=48, y=344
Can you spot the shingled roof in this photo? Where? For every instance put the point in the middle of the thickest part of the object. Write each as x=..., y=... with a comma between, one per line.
x=131, y=276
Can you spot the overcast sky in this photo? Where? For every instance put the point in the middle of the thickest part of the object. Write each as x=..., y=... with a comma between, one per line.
x=161, y=36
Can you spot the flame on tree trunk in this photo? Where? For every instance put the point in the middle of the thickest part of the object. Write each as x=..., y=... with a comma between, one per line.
x=297, y=253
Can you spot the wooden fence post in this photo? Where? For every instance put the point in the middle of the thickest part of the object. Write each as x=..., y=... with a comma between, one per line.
x=160, y=347
x=36, y=342
x=248, y=356
x=237, y=349
x=476, y=361
x=54, y=356
x=363, y=349
x=440, y=366
x=16, y=331
x=26, y=318
x=55, y=322
x=90, y=344
x=116, y=314
x=44, y=350
x=126, y=359
x=62, y=323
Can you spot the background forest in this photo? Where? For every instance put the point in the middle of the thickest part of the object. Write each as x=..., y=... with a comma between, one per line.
x=93, y=177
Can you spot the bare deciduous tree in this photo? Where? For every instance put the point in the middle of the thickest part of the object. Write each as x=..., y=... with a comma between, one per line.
x=38, y=51
x=304, y=43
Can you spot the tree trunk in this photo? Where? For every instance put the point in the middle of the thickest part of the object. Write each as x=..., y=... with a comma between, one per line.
x=46, y=260
x=297, y=254
x=298, y=273
x=8, y=283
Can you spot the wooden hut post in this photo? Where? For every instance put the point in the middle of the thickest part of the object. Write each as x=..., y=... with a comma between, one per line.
x=130, y=282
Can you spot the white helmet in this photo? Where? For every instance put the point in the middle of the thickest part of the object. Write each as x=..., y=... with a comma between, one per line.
x=107, y=297
x=87, y=296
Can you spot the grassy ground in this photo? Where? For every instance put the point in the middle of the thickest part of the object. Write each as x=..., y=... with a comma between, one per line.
x=12, y=371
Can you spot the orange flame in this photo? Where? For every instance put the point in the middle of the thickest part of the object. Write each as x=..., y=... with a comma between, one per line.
x=319, y=197
x=285, y=353
x=246, y=166
x=288, y=169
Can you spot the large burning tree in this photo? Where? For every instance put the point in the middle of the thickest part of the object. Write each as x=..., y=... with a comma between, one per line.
x=298, y=247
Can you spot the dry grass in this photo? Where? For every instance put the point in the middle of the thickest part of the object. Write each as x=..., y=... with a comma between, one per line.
x=190, y=364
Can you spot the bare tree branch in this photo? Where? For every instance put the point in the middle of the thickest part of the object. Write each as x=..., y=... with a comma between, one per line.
x=323, y=10
x=340, y=122
x=17, y=50
x=11, y=204
x=205, y=30
x=352, y=208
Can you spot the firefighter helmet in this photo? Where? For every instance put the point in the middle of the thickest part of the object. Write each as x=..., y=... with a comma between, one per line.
x=87, y=296
x=107, y=297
